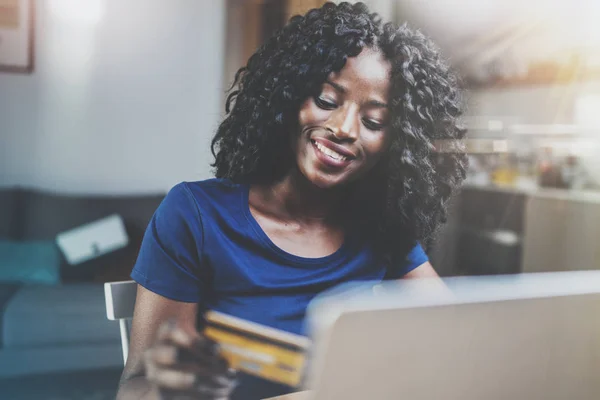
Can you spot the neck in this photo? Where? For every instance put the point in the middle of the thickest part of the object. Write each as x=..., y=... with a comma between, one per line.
x=294, y=197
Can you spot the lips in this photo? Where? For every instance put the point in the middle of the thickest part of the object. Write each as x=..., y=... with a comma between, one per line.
x=333, y=149
x=325, y=153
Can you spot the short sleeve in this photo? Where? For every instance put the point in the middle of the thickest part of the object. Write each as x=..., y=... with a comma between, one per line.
x=415, y=258
x=169, y=261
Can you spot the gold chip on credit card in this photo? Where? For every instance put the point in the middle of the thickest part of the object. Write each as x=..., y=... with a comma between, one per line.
x=258, y=350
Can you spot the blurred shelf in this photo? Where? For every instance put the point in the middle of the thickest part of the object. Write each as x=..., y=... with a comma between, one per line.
x=586, y=196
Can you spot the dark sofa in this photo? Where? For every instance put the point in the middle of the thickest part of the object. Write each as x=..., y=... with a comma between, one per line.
x=63, y=326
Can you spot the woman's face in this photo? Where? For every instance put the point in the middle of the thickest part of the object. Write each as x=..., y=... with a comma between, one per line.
x=343, y=130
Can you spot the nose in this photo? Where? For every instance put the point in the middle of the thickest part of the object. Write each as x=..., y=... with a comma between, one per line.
x=344, y=122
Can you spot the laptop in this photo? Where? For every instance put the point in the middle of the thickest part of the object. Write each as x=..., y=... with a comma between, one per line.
x=530, y=336
x=93, y=239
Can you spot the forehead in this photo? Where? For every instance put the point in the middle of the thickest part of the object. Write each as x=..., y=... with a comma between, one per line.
x=368, y=71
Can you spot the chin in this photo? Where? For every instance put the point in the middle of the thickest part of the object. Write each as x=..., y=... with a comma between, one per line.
x=319, y=175
x=325, y=183
x=324, y=180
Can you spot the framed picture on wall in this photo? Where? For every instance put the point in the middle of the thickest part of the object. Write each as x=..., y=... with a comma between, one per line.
x=16, y=35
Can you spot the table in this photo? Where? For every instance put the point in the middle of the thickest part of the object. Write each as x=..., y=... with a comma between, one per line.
x=292, y=396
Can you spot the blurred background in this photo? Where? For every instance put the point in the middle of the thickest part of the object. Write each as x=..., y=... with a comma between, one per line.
x=106, y=104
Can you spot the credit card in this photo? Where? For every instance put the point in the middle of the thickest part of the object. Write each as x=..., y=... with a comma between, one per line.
x=258, y=350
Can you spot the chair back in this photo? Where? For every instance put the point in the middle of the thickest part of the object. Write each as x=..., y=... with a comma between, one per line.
x=120, y=302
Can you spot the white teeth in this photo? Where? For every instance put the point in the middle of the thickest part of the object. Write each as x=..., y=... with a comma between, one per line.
x=330, y=152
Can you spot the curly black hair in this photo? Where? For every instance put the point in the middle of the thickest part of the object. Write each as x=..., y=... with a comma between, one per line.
x=410, y=188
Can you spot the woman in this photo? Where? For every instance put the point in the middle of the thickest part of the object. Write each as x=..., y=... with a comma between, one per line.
x=326, y=173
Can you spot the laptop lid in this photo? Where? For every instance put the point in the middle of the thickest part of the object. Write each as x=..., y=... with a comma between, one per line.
x=531, y=336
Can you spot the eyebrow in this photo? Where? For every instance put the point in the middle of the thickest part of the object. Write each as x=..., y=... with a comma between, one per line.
x=336, y=86
x=343, y=90
x=377, y=104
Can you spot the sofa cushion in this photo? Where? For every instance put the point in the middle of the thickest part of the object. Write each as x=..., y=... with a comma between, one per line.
x=9, y=210
x=7, y=291
x=58, y=315
x=45, y=215
x=29, y=262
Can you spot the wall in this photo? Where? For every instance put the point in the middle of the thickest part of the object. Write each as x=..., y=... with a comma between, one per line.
x=564, y=117
x=124, y=98
x=534, y=104
x=385, y=8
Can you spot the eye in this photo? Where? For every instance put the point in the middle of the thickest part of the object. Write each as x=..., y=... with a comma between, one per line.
x=372, y=125
x=325, y=104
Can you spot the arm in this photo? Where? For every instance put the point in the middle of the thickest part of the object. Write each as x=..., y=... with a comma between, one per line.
x=416, y=265
x=168, y=357
x=433, y=281
x=424, y=270
x=151, y=311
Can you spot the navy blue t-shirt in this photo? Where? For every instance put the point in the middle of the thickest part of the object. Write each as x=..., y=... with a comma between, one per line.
x=204, y=246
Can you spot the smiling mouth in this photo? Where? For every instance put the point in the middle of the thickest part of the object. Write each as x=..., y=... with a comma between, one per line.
x=329, y=153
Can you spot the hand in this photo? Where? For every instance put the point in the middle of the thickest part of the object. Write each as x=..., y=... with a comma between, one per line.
x=186, y=365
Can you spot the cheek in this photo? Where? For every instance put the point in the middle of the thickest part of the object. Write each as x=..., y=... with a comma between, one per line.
x=306, y=116
x=310, y=114
x=303, y=118
x=377, y=146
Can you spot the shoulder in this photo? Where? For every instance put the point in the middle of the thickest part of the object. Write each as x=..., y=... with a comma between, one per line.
x=211, y=189
x=202, y=192
x=208, y=200
x=400, y=265
x=189, y=212
x=212, y=195
x=417, y=255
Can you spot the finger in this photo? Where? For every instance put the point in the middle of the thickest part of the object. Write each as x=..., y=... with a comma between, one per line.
x=176, y=383
x=163, y=354
x=170, y=355
x=203, y=351
x=228, y=379
x=170, y=331
x=197, y=344
x=165, y=329
x=172, y=378
x=213, y=388
x=220, y=378
x=167, y=354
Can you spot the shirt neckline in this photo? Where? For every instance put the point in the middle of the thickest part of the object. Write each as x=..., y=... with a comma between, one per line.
x=338, y=254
